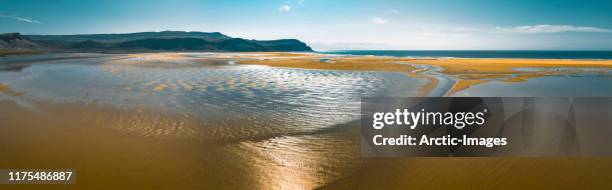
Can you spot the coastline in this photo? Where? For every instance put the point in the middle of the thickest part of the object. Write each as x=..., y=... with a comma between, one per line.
x=232, y=145
x=463, y=73
x=466, y=72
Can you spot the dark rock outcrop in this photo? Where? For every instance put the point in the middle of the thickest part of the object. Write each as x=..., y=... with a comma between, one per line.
x=16, y=41
x=148, y=41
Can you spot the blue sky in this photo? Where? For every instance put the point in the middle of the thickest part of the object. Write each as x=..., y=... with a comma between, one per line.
x=335, y=24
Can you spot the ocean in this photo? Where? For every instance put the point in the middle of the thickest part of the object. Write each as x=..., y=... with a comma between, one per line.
x=527, y=54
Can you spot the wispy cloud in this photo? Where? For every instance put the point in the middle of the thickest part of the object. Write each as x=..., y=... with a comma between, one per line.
x=467, y=29
x=527, y=30
x=547, y=29
x=378, y=20
x=284, y=9
x=20, y=19
x=445, y=34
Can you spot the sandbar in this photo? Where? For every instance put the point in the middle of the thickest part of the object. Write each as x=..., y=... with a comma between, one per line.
x=467, y=72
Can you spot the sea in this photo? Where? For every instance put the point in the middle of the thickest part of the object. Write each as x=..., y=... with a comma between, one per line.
x=516, y=54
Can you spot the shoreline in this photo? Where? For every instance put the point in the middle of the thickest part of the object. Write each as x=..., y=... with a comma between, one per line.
x=173, y=142
x=139, y=163
x=464, y=72
x=7, y=53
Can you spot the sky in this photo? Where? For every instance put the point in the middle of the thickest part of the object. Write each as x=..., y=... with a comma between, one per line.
x=336, y=24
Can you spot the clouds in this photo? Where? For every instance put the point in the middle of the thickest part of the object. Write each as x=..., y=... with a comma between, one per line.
x=548, y=29
x=378, y=20
x=284, y=9
x=445, y=34
x=526, y=30
x=20, y=19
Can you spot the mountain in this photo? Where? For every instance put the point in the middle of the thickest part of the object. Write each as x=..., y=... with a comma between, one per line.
x=16, y=41
x=147, y=41
x=110, y=38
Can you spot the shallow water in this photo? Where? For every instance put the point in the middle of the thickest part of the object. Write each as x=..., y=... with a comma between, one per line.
x=211, y=123
x=525, y=54
x=263, y=96
x=274, y=121
x=581, y=85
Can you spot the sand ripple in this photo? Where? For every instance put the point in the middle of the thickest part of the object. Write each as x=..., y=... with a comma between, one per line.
x=210, y=98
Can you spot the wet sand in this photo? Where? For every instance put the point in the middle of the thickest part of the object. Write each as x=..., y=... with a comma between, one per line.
x=158, y=121
x=479, y=71
x=468, y=72
x=479, y=173
x=102, y=157
x=7, y=90
x=94, y=141
x=105, y=157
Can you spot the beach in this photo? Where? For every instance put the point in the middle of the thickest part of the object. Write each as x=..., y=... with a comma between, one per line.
x=466, y=71
x=262, y=120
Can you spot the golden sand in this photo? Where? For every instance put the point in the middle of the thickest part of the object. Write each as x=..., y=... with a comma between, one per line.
x=354, y=64
x=157, y=56
x=472, y=72
x=464, y=66
x=480, y=173
x=105, y=158
x=7, y=90
x=471, y=173
x=469, y=72
x=97, y=142
x=465, y=84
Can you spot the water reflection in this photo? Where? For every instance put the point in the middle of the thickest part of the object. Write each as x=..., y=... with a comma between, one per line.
x=284, y=124
x=582, y=85
x=223, y=124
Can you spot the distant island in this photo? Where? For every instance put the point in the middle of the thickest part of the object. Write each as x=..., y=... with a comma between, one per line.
x=14, y=43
